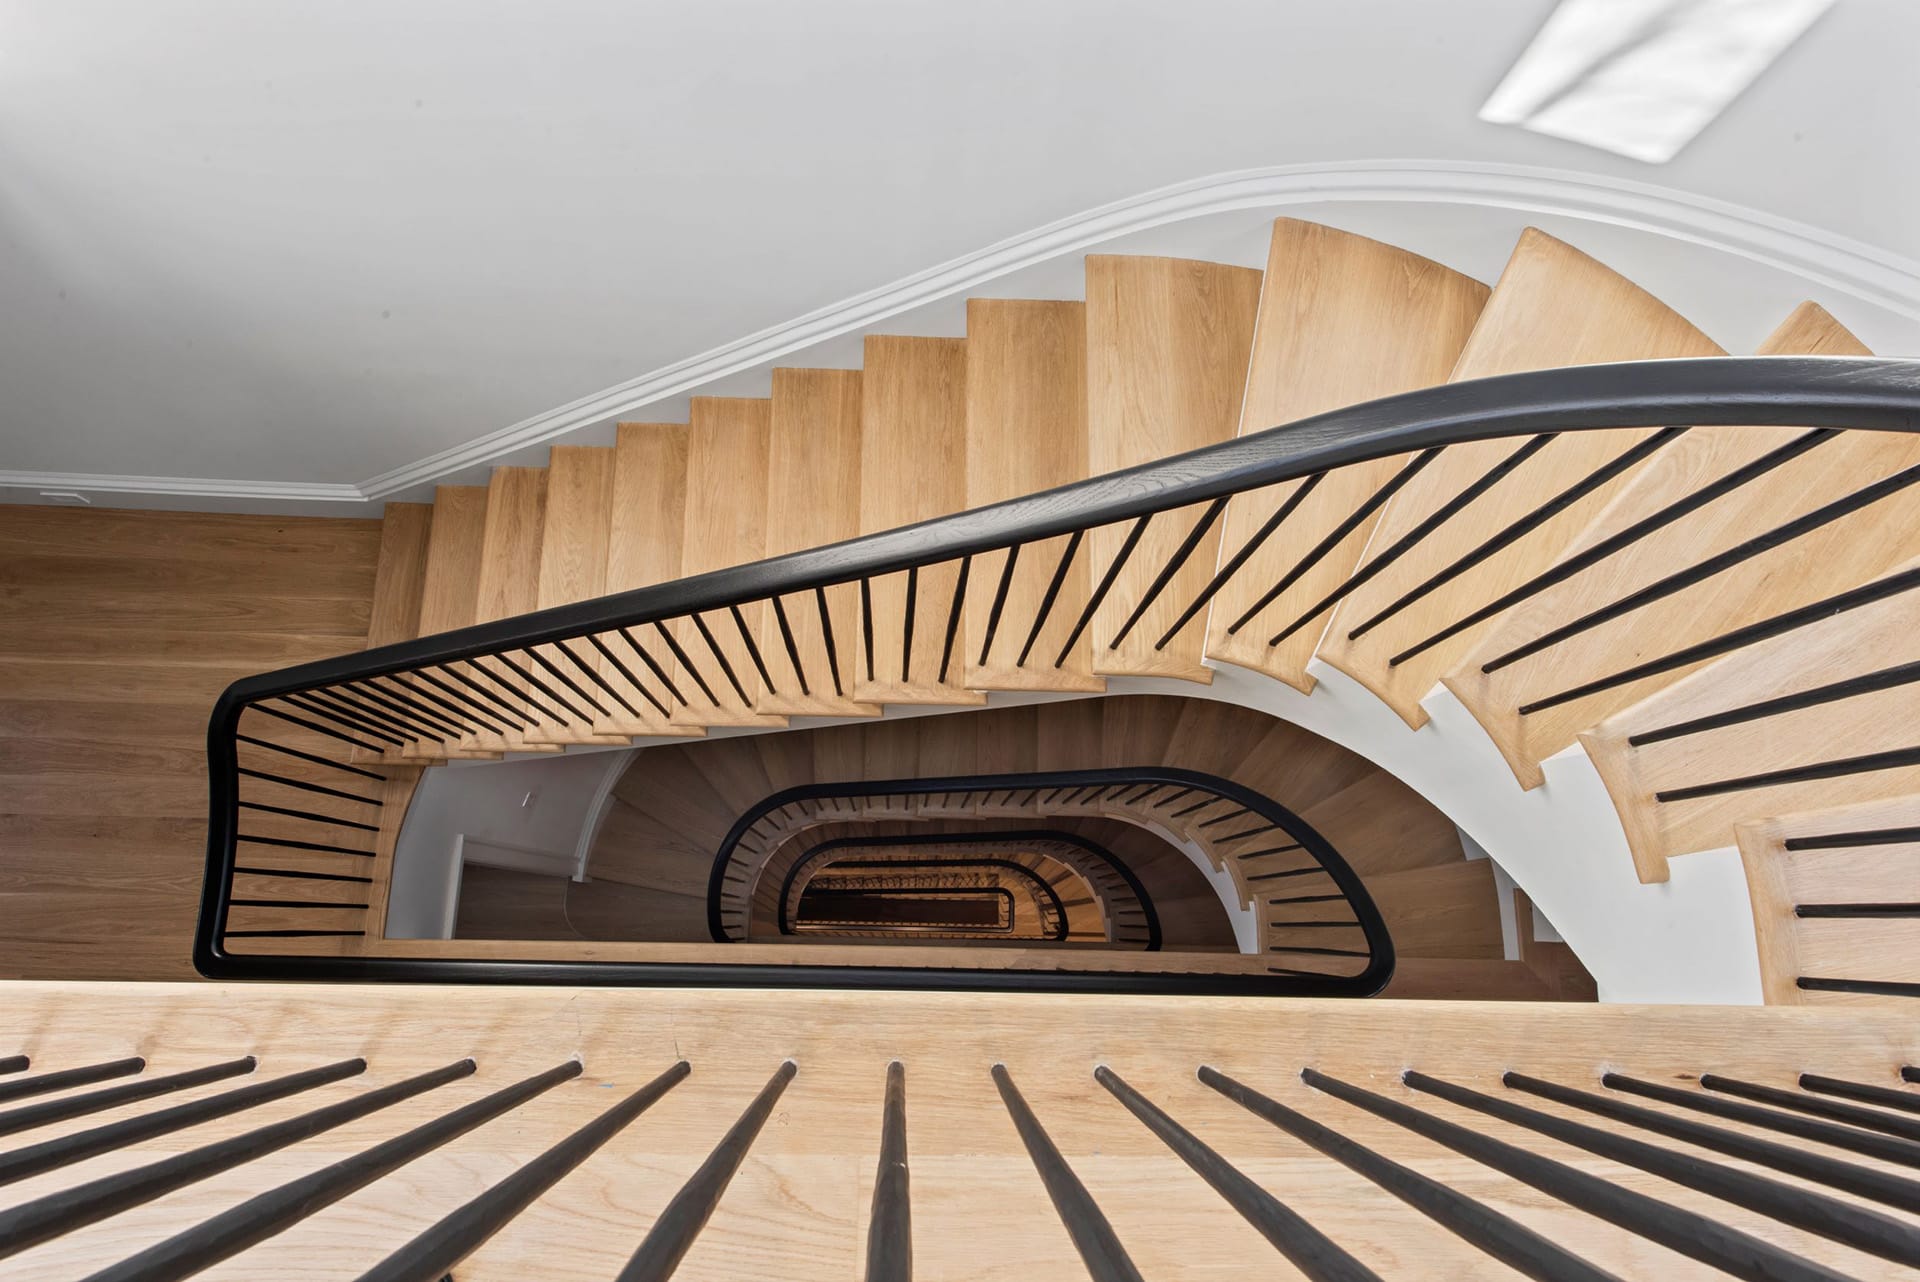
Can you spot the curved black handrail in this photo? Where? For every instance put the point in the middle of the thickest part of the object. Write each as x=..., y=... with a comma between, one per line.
x=1371, y=979
x=1801, y=391
x=996, y=837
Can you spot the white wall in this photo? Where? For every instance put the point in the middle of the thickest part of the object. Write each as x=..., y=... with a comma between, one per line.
x=542, y=806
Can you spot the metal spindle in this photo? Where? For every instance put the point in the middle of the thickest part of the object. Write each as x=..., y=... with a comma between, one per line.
x=1179, y=558
x=1354, y=519
x=1365, y=574
x=999, y=602
x=266, y=1214
x=306, y=756
x=674, y=1231
x=1829, y=1217
x=1239, y=559
x=49, y=1111
x=890, y=1225
x=1315, y=1254
x=1502, y=1237
x=432, y=1255
x=63, y=1079
x=1518, y=529
x=1093, y=1236
x=63, y=1150
x=720, y=657
x=1808, y=1164
x=1693, y=1235
x=793, y=649
x=1739, y=638
x=53, y=1214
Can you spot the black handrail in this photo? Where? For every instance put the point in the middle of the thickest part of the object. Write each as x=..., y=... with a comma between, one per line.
x=996, y=836
x=1813, y=392
x=1115, y=780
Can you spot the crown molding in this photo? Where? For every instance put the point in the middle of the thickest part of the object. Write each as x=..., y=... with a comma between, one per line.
x=196, y=487
x=1822, y=258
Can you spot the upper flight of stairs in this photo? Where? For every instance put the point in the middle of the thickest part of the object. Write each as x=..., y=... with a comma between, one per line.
x=1533, y=577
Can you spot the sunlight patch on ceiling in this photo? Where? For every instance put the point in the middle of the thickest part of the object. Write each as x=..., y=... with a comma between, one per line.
x=1643, y=77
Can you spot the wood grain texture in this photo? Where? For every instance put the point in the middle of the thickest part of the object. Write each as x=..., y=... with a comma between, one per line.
x=1553, y=306
x=726, y=525
x=1840, y=555
x=1832, y=948
x=798, y=1206
x=400, y=576
x=1343, y=319
x=574, y=548
x=573, y=536
x=449, y=593
x=1835, y=648
x=813, y=499
x=646, y=530
x=913, y=467
x=1168, y=341
x=509, y=584
x=103, y=819
x=1027, y=432
x=509, y=581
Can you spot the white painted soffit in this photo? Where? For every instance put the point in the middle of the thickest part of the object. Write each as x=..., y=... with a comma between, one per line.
x=1823, y=259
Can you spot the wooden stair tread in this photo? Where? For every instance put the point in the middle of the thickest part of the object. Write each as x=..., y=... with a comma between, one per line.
x=509, y=585
x=1026, y=432
x=400, y=577
x=1343, y=319
x=1779, y=880
x=1168, y=341
x=913, y=424
x=1446, y=910
x=1847, y=552
x=449, y=591
x=450, y=580
x=646, y=534
x=574, y=544
x=1366, y=823
x=726, y=525
x=813, y=499
x=1552, y=306
x=1835, y=648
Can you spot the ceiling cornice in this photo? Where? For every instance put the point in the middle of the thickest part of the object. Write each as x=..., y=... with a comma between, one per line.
x=1820, y=257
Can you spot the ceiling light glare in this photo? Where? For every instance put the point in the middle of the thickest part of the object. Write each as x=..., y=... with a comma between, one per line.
x=1642, y=77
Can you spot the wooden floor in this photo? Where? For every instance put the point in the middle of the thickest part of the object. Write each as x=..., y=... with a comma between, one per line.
x=117, y=632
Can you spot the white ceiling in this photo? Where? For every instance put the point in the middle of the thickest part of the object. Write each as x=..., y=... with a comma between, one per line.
x=319, y=241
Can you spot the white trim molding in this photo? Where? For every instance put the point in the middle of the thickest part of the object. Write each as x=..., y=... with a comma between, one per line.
x=1820, y=257
x=188, y=487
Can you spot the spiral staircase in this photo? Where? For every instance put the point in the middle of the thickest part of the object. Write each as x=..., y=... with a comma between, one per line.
x=1537, y=559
